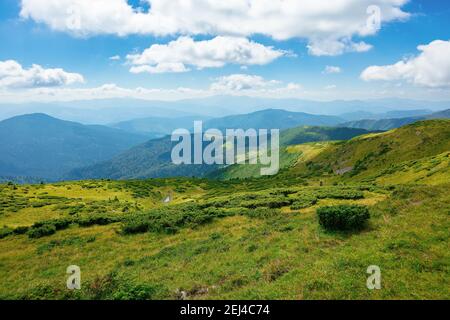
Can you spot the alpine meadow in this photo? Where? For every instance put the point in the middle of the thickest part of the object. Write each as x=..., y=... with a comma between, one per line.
x=231, y=151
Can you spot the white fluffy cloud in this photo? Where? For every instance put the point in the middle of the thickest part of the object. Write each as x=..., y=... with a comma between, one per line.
x=331, y=70
x=431, y=68
x=329, y=26
x=239, y=82
x=178, y=55
x=244, y=84
x=335, y=47
x=106, y=91
x=13, y=75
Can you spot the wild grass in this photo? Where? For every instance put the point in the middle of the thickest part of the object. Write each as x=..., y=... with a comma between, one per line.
x=211, y=246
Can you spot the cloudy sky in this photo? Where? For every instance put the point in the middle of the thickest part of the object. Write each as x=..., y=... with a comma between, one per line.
x=168, y=50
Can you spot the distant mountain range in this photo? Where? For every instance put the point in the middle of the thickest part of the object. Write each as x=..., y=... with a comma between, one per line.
x=40, y=146
x=365, y=115
x=265, y=119
x=106, y=111
x=157, y=127
x=415, y=153
x=272, y=119
x=153, y=159
x=388, y=124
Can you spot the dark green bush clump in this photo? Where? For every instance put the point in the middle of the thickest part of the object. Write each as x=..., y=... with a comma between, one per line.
x=21, y=230
x=343, y=217
x=5, y=231
x=101, y=220
x=113, y=287
x=303, y=202
x=337, y=193
x=169, y=220
x=47, y=228
x=42, y=231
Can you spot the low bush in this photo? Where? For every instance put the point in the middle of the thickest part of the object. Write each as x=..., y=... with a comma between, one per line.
x=101, y=220
x=303, y=202
x=42, y=231
x=170, y=220
x=262, y=213
x=21, y=230
x=5, y=231
x=343, y=217
x=47, y=227
x=113, y=287
x=342, y=194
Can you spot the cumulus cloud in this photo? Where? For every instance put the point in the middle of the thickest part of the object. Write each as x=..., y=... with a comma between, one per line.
x=431, y=68
x=114, y=58
x=329, y=26
x=252, y=85
x=177, y=55
x=239, y=82
x=331, y=70
x=13, y=75
x=335, y=47
x=163, y=67
x=106, y=91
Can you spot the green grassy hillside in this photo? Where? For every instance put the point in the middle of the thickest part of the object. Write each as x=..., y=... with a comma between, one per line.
x=153, y=158
x=246, y=244
x=392, y=123
x=289, y=155
x=373, y=157
x=46, y=148
x=256, y=238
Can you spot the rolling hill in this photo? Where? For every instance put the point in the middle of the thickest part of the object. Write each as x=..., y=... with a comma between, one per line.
x=418, y=152
x=46, y=148
x=243, y=239
x=392, y=123
x=289, y=152
x=272, y=119
x=394, y=114
x=156, y=127
x=265, y=119
x=106, y=111
x=153, y=158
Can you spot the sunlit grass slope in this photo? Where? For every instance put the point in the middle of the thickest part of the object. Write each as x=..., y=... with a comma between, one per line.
x=255, y=238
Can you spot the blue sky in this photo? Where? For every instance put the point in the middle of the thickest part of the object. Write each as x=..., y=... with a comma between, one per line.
x=32, y=39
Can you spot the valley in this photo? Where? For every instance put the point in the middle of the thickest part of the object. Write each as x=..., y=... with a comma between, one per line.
x=262, y=240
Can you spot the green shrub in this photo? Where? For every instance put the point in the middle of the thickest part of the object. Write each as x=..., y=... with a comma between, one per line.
x=170, y=219
x=42, y=231
x=101, y=220
x=303, y=202
x=343, y=217
x=113, y=287
x=138, y=292
x=262, y=213
x=5, y=231
x=59, y=224
x=136, y=225
x=21, y=230
x=273, y=202
x=44, y=228
x=338, y=193
x=62, y=224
